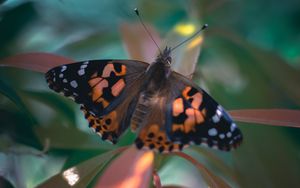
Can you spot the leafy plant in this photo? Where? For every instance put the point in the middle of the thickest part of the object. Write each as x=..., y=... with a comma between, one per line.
x=44, y=138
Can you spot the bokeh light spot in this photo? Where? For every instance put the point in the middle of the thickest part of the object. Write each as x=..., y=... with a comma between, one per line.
x=185, y=29
x=141, y=166
x=195, y=42
x=71, y=175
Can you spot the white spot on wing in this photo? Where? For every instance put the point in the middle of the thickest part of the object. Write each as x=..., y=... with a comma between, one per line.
x=219, y=112
x=222, y=136
x=229, y=134
x=92, y=113
x=61, y=75
x=71, y=97
x=74, y=84
x=232, y=127
x=63, y=68
x=85, y=63
x=212, y=132
x=65, y=81
x=216, y=118
x=81, y=72
x=83, y=66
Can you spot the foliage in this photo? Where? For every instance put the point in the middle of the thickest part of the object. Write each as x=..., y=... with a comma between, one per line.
x=249, y=59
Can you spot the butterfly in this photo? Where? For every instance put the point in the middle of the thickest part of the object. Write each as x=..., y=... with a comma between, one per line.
x=166, y=109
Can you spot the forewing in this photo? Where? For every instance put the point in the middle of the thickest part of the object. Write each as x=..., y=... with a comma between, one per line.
x=197, y=118
x=98, y=85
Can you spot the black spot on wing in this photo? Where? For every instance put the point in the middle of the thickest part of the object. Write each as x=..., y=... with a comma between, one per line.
x=118, y=67
x=192, y=92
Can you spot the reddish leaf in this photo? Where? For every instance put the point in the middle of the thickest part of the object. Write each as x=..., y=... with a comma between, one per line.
x=211, y=179
x=140, y=46
x=132, y=169
x=36, y=61
x=81, y=174
x=156, y=180
x=138, y=43
x=185, y=57
x=277, y=117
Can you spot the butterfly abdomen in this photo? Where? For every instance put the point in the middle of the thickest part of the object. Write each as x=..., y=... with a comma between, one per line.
x=140, y=112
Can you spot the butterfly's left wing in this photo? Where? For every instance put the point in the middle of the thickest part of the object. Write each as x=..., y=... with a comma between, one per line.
x=182, y=114
x=106, y=90
x=195, y=117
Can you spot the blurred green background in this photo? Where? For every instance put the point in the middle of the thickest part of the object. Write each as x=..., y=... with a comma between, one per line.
x=250, y=58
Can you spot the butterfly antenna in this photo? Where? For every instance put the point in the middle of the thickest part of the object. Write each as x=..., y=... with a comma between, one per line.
x=144, y=26
x=195, y=34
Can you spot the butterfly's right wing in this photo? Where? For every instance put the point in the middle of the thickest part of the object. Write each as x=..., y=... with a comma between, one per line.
x=98, y=85
x=106, y=90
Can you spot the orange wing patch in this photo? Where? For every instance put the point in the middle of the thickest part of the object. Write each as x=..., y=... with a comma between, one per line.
x=108, y=85
x=186, y=111
x=153, y=138
x=112, y=68
x=106, y=127
x=178, y=107
x=97, y=84
x=118, y=87
x=192, y=95
x=187, y=121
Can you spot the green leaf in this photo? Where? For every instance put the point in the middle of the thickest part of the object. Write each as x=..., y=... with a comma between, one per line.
x=5, y=183
x=211, y=179
x=71, y=138
x=81, y=174
x=58, y=104
x=21, y=16
x=10, y=93
x=215, y=161
x=16, y=126
x=273, y=67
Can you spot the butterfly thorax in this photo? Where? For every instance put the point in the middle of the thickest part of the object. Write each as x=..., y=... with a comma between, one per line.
x=159, y=71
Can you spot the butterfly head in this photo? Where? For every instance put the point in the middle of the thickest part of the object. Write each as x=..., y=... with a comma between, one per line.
x=165, y=57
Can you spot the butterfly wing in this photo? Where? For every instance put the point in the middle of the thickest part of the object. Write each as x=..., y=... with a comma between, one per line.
x=181, y=114
x=195, y=117
x=152, y=132
x=104, y=88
